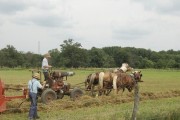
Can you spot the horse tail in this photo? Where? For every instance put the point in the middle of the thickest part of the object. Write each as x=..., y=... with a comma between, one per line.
x=101, y=76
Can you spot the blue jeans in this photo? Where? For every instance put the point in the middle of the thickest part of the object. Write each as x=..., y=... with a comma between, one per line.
x=46, y=76
x=33, y=107
x=48, y=79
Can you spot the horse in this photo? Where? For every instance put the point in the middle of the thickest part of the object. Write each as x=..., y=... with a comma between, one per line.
x=127, y=81
x=105, y=81
x=91, y=81
x=108, y=79
x=87, y=81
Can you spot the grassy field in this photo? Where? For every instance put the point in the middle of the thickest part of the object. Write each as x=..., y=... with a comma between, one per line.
x=160, y=99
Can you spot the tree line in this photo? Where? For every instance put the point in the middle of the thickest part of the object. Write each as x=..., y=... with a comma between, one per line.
x=73, y=55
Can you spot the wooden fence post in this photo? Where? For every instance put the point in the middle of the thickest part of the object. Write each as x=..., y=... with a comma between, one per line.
x=136, y=101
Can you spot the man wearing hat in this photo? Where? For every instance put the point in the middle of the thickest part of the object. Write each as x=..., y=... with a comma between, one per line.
x=33, y=86
x=46, y=66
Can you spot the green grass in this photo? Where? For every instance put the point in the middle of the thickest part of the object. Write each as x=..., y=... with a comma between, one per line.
x=148, y=110
x=15, y=76
x=160, y=83
x=154, y=80
x=160, y=80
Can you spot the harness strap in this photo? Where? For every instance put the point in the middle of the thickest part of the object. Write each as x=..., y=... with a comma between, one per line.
x=32, y=85
x=133, y=77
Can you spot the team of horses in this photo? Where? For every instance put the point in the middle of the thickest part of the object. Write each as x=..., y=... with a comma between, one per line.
x=116, y=80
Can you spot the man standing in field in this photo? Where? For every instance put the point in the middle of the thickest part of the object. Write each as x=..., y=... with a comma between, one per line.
x=45, y=68
x=33, y=86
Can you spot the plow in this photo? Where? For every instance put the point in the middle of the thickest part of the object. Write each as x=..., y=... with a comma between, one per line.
x=4, y=99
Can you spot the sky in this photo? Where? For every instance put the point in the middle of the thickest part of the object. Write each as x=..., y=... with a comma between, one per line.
x=42, y=25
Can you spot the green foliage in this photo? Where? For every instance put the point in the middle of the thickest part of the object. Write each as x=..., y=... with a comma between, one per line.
x=97, y=57
x=73, y=55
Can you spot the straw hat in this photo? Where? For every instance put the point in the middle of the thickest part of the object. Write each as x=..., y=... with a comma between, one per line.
x=37, y=76
x=47, y=55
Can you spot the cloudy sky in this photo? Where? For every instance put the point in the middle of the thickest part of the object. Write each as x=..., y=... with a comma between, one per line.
x=149, y=24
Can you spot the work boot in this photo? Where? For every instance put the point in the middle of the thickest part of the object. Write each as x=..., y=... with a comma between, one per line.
x=37, y=117
x=30, y=118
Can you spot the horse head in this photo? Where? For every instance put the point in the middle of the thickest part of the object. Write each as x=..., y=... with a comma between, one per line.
x=137, y=76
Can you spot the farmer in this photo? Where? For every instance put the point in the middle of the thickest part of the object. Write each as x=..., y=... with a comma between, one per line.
x=33, y=86
x=45, y=68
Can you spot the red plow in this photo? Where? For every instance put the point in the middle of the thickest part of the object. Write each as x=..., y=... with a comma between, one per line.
x=4, y=99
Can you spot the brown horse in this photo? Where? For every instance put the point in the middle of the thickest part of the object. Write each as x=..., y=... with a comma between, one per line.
x=87, y=82
x=107, y=80
x=128, y=81
x=91, y=81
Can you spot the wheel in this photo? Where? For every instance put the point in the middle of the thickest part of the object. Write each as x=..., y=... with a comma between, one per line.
x=76, y=93
x=48, y=95
x=60, y=94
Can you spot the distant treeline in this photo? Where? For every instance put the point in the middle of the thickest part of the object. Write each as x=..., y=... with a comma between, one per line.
x=73, y=55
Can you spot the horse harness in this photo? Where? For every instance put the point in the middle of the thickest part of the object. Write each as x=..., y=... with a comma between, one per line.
x=133, y=78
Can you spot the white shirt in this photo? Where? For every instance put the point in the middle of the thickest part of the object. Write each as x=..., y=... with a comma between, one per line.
x=45, y=63
x=33, y=85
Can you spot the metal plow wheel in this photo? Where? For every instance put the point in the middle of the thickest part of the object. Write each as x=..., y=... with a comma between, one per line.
x=76, y=93
x=48, y=95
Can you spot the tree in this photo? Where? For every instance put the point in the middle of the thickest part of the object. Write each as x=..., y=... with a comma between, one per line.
x=55, y=60
x=73, y=55
x=160, y=64
x=10, y=56
x=121, y=57
x=146, y=63
x=171, y=63
x=32, y=60
x=97, y=57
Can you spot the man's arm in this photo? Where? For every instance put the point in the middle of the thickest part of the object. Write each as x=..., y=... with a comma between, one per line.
x=45, y=64
x=40, y=86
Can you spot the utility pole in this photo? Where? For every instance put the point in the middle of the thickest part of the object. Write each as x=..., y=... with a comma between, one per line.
x=39, y=47
x=40, y=60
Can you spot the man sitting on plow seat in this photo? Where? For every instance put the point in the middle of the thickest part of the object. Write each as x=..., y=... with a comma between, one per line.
x=45, y=69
